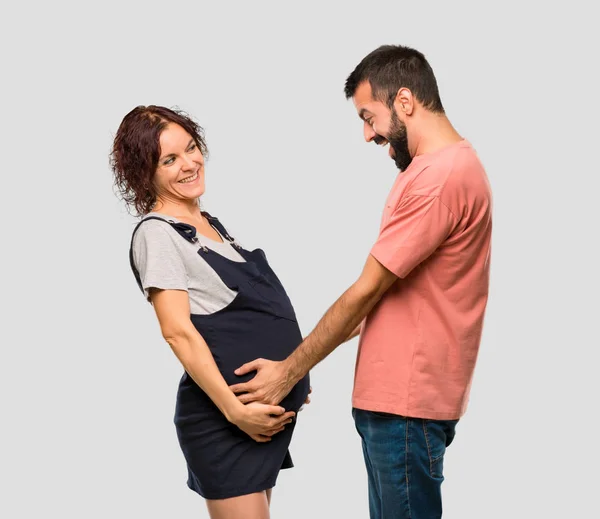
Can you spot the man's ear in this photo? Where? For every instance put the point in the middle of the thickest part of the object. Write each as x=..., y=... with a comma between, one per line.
x=404, y=101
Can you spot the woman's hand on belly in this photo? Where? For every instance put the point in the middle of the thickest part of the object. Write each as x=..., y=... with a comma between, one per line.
x=260, y=421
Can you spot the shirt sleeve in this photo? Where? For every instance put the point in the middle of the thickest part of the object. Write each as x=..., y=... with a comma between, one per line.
x=158, y=259
x=416, y=228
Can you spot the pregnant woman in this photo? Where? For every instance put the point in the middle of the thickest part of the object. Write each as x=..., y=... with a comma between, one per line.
x=218, y=306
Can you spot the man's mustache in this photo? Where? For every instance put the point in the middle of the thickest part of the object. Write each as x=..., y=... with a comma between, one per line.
x=379, y=140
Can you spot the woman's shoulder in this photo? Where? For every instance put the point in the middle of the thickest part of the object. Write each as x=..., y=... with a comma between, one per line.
x=154, y=228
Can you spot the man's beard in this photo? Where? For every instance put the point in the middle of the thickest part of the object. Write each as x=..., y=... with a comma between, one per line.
x=398, y=140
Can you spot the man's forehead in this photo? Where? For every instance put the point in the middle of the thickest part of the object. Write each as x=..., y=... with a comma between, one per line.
x=362, y=95
x=363, y=99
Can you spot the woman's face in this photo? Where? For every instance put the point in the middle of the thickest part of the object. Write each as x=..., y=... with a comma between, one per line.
x=180, y=172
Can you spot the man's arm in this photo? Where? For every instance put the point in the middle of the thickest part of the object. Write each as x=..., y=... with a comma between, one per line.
x=274, y=380
x=415, y=229
x=341, y=319
x=354, y=333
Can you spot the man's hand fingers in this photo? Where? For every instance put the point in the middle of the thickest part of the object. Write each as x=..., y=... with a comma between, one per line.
x=307, y=401
x=246, y=398
x=248, y=367
x=240, y=388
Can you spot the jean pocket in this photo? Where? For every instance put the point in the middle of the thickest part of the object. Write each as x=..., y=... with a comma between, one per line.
x=438, y=436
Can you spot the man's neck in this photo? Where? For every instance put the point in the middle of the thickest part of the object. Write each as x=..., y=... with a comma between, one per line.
x=433, y=132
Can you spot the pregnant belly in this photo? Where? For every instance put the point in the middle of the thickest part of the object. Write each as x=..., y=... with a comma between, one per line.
x=236, y=343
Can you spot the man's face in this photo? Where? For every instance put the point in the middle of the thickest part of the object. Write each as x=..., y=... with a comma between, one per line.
x=382, y=125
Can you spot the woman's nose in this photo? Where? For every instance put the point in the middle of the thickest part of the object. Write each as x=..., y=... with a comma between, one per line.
x=188, y=163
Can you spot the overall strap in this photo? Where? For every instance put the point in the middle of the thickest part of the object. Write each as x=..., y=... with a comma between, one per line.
x=183, y=229
x=221, y=228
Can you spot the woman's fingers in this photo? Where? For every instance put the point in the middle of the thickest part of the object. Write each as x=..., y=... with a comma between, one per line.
x=274, y=423
x=260, y=438
x=276, y=430
x=287, y=417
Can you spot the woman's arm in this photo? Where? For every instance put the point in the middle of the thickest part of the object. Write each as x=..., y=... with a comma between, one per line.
x=173, y=312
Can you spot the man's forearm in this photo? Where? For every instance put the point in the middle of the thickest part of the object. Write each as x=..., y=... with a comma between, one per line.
x=354, y=333
x=335, y=327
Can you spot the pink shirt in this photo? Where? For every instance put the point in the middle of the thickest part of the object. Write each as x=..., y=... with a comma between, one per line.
x=419, y=345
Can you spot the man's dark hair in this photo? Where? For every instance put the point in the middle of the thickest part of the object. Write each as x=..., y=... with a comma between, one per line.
x=392, y=67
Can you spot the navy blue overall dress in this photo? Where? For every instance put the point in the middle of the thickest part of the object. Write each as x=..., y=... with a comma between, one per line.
x=222, y=460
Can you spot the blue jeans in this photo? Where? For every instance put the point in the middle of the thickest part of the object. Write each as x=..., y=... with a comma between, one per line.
x=405, y=460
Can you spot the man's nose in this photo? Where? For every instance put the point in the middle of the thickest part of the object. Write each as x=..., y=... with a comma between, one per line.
x=368, y=131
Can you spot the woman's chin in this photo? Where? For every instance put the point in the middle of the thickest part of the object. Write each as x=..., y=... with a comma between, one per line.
x=192, y=193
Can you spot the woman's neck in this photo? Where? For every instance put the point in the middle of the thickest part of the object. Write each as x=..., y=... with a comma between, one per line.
x=190, y=210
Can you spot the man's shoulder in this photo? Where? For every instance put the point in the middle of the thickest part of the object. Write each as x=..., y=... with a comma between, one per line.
x=455, y=176
x=458, y=167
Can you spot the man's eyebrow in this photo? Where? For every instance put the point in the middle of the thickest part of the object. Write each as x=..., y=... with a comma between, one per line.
x=362, y=113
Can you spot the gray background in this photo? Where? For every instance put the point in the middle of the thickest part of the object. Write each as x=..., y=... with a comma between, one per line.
x=87, y=385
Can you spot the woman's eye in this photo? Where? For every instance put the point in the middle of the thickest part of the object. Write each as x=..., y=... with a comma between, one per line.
x=192, y=147
x=169, y=161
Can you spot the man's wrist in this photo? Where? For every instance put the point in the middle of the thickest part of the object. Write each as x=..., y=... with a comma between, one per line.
x=293, y=370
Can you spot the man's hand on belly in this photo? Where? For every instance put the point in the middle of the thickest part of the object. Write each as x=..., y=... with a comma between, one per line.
x=271, y=384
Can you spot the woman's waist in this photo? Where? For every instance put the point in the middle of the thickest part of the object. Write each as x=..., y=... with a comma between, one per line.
x=193, y=401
